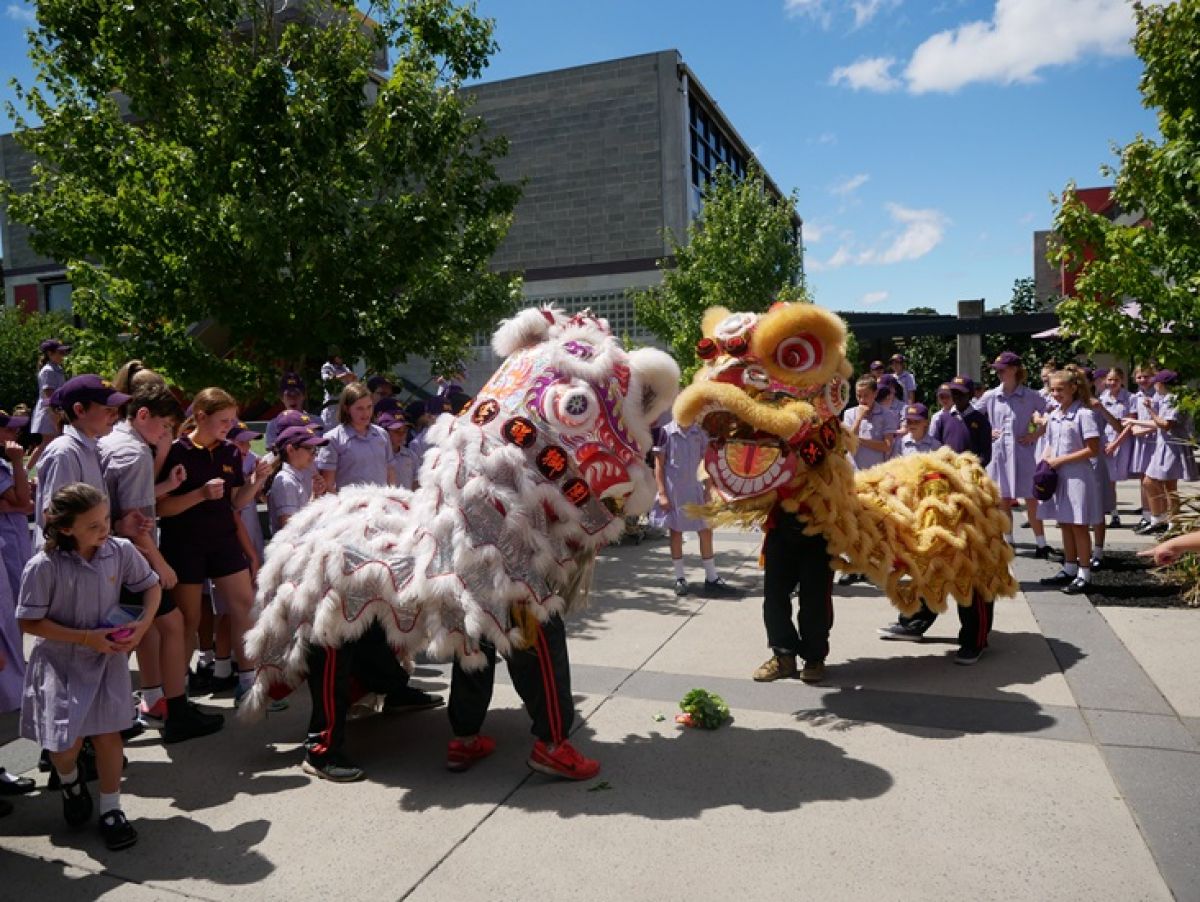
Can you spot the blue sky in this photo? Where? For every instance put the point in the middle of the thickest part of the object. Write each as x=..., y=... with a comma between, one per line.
x=923, y=137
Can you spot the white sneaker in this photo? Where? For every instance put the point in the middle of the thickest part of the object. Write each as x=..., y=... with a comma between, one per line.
x=903, y=632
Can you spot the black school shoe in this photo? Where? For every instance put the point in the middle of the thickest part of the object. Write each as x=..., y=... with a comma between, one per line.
x=1061, y=578
x=12, y=785
x=190, y=723
x=199, y=681
x=1045, y=553
x=1077, y=586
x=116, y=830
x=77, y=802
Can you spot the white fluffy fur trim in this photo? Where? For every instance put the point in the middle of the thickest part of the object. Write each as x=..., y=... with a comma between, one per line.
x=529, y=327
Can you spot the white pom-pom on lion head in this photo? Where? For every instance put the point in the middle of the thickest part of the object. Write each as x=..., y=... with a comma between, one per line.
x=526, y=329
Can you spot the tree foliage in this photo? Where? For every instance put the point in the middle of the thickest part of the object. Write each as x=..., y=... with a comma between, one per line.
x=1157, y=261
x=740, y=254
x=1034, y=352
x=260, y=185
x=21, y=334
x=930, y=358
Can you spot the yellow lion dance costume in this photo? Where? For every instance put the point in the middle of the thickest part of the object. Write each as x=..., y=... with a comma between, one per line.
x=769, y=395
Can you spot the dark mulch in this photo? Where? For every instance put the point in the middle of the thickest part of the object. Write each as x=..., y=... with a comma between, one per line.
x=1126, y=581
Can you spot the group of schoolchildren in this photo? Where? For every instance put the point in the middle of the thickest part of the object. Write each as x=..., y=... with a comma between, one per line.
x=1061, y=450
x=152, y=540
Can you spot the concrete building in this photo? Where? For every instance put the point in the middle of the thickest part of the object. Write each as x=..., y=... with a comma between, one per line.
x=612, y=156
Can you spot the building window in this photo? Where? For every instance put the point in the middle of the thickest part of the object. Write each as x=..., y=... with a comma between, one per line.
x=58, y=298
x=710, y=148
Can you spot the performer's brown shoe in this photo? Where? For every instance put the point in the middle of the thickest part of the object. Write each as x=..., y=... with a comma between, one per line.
x=777, y=667
x=813, y=672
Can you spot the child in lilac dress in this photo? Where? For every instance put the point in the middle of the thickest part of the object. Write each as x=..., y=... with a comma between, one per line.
x=1072, y=439
x=677, y=459
x=873, y=424
x=1172, y=458
x=1013, y=408
x=77, y=684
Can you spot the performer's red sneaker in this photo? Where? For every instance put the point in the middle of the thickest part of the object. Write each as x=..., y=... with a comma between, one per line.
x=462, y=753
x=562, y=760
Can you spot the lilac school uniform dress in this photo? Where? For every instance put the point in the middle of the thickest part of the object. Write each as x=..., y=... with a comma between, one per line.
x=71, y=691
x=1076, y=499
x=1012, y=463
x=291, y=489
x=1173, y=454
x=682, y=453
x=12, y=677
x=49, y=378
x=358, y=458
x=906, y=445
x=14, y=532
x=875, y=426
x=1143, y=445
x=1119, y=406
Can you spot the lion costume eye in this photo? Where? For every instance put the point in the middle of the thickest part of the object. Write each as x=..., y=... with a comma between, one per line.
x=799, y=353
x=735, y=325
x=573, y=406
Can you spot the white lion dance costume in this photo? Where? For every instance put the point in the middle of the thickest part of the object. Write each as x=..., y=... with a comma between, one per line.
x=516, y=496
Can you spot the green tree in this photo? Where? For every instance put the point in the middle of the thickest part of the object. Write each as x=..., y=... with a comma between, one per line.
x=21, y=334
x=740, y=254
x=261, y=186
x=1034, y=352
x=1157, y=261
x=931, y=359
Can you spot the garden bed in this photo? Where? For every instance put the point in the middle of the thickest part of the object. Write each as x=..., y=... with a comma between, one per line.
x=1129, y=581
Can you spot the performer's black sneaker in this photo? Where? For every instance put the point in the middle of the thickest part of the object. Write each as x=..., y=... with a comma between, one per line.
x=913, y=631
x=967, y=656
x=849, y=579
x=116, y=830
x=335, y=770
x=410, y=699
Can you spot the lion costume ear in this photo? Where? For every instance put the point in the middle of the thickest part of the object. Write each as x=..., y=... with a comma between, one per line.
x=713, y=317
x=800, y=344
x=527, y=328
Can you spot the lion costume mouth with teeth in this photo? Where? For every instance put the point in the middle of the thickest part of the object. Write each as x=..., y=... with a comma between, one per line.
x=769, y=395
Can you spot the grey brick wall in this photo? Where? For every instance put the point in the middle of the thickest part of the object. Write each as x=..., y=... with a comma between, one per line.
x=588, y=142
x=16, y=166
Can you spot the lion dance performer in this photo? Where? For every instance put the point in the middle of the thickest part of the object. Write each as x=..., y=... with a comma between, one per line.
x=516, y=496
x=920, y=527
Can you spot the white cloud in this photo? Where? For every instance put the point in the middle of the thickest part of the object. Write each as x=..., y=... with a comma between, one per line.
x=813, y=9
x=870, y=74
x=923, y=231
x=823, y=11
x=1022, y=38
x=824, y=138
x=919, y=233
x=866, y=10
x=21, y=13
x=813, y=232
x=850, y=185
x=871, y=298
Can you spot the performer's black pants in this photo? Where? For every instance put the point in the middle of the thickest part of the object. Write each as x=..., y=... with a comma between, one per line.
x=335, y=675
x=793, y=559
x=975, y=622
x=541, y=674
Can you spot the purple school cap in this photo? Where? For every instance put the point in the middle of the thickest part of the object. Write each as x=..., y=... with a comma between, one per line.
x=916, y=412
x=10, y=422
x=291, y=383
x=87, y=388
x=896, y=358
x=887, y=380
x=306, y=436
x=1167, y=377
x=1008, y=358
x=962, y=384
x=876, y=365
x=387, y=405
x=242, y=433
x=292, y=418
x=945, y=387
x=50, y=345
x=392, y=421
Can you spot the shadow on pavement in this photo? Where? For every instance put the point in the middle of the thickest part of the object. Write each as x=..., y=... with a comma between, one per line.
x=865, y=699
x=672, y=775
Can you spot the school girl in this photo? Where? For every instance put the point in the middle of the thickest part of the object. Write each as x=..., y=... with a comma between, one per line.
x=51, y=376
x=199, y=527
x=292, y=485
x=678, y=455
x=1172, y=460
x=1073, y=438
x=16, y=501
x=78, y=684
x=1112, y=406
x=358, y=452
x=1011, y=409
x=871, y=422
x=1142, y=435
x=404, y=460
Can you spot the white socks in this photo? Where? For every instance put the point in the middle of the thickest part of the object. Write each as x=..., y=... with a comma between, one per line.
x=68, y=779
x=677, y=563
x=710, y=570
x=110, y=801
x=1085, y=574
x=223, y=667
x=1070, y=568
x=1040, y=540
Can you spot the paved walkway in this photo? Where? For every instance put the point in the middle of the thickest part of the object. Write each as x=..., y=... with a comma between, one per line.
x=1066, y=764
